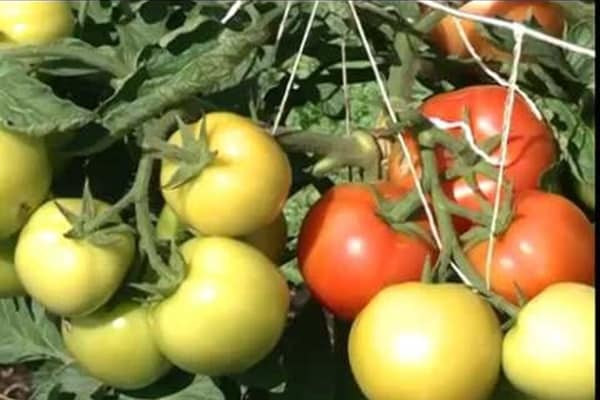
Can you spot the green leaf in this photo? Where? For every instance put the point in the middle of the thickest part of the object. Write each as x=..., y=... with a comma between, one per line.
x=27, y=334
x=30, y=107
x=583, y=34
x=202, y=388
x=54, y=378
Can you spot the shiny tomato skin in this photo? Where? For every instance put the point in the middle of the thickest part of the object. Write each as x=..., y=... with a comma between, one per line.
x=347, y=253
x=531, y=147
x=10, y=285
x=243, y=189
x=34, y=22
x=428, y=342
x=550, y=352
x=69, y=277
x=447, y=38
x=116, y=346
x=228, y=313
x=550, y=240
x=25, y=177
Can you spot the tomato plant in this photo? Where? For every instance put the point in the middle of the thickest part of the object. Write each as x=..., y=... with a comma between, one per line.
x=270, y=239
x=446, y=36
x=436, y=337
x=70, y=277
x=549, y=240
x=347, y=253
x=25, y=167
x=249, y=170
x=259, y=235
x=128, y=358
x=550, y=352
x=34, y=22
x=10, y=285
x=239, y=302
x=530, y=149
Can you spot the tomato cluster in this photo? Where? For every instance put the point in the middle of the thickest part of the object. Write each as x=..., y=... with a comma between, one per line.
x=220, y=305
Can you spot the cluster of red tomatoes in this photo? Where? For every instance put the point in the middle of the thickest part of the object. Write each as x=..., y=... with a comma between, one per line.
x=360, y=268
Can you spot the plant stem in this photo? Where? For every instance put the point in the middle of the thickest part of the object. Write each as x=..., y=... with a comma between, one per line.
x=358, y=149
x=452, y=247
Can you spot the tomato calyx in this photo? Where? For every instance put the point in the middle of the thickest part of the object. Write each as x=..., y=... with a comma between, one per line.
x=167, y=280
x=100, y=229
x=193, y=155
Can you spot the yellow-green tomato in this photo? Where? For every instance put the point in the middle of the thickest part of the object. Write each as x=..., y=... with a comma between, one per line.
x=24, y=22
x=241, y=190
x=270, y=239
x=9, y=281
x=25, y=176
x=229, y=311
x=550, y=352
x=116, y=346
x=69, y=277
x=427, y=342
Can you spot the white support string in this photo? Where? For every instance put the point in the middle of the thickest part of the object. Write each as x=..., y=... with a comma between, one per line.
x=235, y=7
x=518, y=33
x=512, y=26
x=286, y=13
x=491, y=73
x=411, y=166
x=295, y=68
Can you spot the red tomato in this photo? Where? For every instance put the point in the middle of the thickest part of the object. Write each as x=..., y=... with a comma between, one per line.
x=446, y=36
x=550, y=240
x=531, y=148
x=347, y=254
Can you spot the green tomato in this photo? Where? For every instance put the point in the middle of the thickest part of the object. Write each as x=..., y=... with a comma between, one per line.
x=24, y=179
x=116, y=346
x=69, y=277
x=242, y=189
x=270, y=239
x=10, y=285
x=550, y=352
x=427, y=342
x=228, y=313
x=25, y=22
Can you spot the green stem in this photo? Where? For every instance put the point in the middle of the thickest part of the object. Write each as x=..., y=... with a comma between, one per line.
x=452, y=247
x=112, y=212
x=142, y=216
x=428, y=21
x=359, y=149
x=88, y=56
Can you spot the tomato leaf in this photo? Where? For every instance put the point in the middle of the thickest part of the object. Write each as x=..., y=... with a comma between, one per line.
x=54, y=378
x=202, y=388
x=30, y=107
x=27, y=334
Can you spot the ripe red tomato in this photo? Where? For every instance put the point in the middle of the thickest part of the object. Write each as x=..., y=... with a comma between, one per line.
x=549, y=241
x=531, y=148
x=446, y=37
x=347, y=253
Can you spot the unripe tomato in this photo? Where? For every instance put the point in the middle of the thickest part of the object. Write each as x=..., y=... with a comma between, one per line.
x=228, y=313
x=530, y=149
x=550, y=352
x=446, y=36
x=10, y=285
x=35, y=22
x=271, y=239
x=25, y=176
x=550, y=240
x=427, y=342
x=69, y=277
x=116, y=346
x=242, y=189
x=347, y=253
